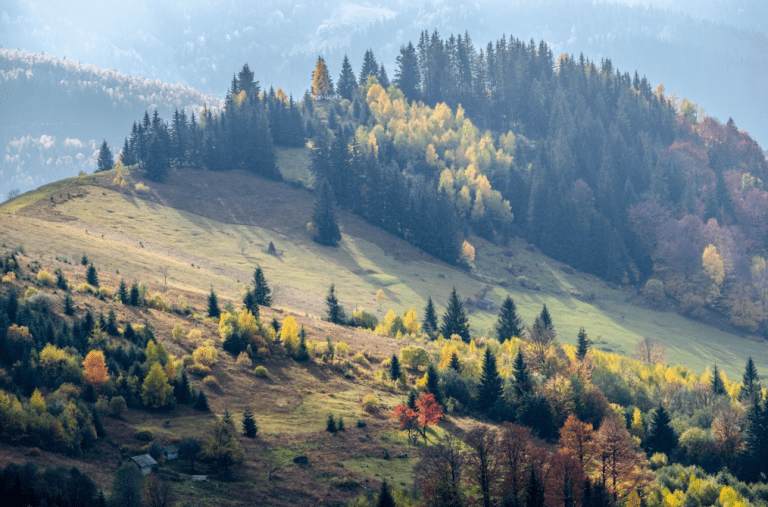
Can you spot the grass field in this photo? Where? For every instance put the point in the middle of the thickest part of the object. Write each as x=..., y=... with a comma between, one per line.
x=212, y=230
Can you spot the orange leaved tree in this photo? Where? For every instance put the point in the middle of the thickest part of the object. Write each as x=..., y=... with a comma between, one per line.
x=95, y=368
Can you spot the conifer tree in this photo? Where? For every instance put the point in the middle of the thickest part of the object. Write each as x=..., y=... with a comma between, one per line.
x=128, y=333
x=249, y=302
x=330, y=424
x=433, y=382
x=106, y=161
x=340, y=424
x=661, y=436
x=301, y=353
x=249, y=424
x=718, y=387
x=407, y=77
x=335, y=312
x=122, y=292
x=111, y=327
x=385, y=496
x=394, y=368
x=454, y=319
x=756, y=459
x=91, y=276
x=489, y=391
x=546, y=319
x=126, y=155
x=750, y=383
x=213, y=305
x=369, y=68
x=135, y=296
x=411, y=400
x=509, y=324
x=522, y=379
x=347, y=82
x=382, y=77
x=324, y=216
x=429, y=326
x=201, y=401
x=582, y=344
x=61, y=281
x=261, y=290
x=455, y=364
x=321, y=82
x=182, y=390
x=157, y=164
x=69, y=305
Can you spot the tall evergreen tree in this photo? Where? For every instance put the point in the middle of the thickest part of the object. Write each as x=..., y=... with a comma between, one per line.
x=661, y=436
x=324, y=216
x=410, y=402
x=135, y=295
x=455, y=363
x=122, y=292
x=582, y=344
x=546, y=319
x=718, y=386
x=213, y=305
x=755, y=466
x=249, y=424
x=105, y=161
x=335, y=312
x=127, y=157
x=201, y=402
x=183, y=390
x=261, y=290
x=432, y=384
x=489, y=391
x=522, y=382
x=385, y=496
x=429, y=326
x=249, y=302
x=69, y=305
x=407, y=77
x=394, y=368
x=454, y=319
x=369, y=68
x=750, y=382
x=157, y=164
x=509, y=324
x=347, y=82
x=91, y=276
x=382, y=77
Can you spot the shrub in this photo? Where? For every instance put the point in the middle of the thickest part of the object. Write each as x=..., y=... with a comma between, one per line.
x=330, y=424
x=360, y=358
x=187, y=360
x=654, y=292
x=33, y=452
x=30, y=292
x=194, y=335
x=177, y=333
x=371, y=403
x=206, y=354
x=116, y=406
x=157, y=302
x=42, y=302
x=106, y=292
x=210, y=382
x=361, y=423
x=84, y=288
x=141, y=187
x=658, y=460
x=341, y=349
x=243, y=359
x=10, y=277
x=261, y=372
x=198, y=369
x=414, y=357
x=45, y=278
x=144, y=435
x=361, y=318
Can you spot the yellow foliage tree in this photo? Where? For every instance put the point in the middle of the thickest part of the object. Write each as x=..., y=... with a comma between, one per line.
x=321, y=84
x=411, y=322
x=289, y=334
x=467, y=251
x=381, y=297
x=156, y=392
x=714, y=268
x=95, y=368
x=37, y=402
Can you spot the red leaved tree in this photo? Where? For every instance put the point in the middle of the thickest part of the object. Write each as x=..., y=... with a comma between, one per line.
x=428, y=413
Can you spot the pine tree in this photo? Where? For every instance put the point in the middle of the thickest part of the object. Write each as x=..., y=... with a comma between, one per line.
x=546, y=319
x=335, y=313
x=127, y=154
x=718, y=387
x=750, y=383
x=330, y=424
x=157, y=164
x=135, y=296
x=756, y=459
x=128, y=333
x=61, y=281
x=385, y=496
x=261, y=290
x=369, y=68
x=489, y=391
x=411, y=400
x=122, y=292
x=69, y=305
x=382, y=77
x=347, y=82
x=582, y=344
x=454, y=319
x=105, y=161
x=407, y=77
x=249, y=302
x=340, y=424
x=429, y=326
x=661, y=436
x=394, y=368
x=91, y=276
x=249, y=424
x=433, y=383
x=522, y=379
x=301, y=353
x=84, y=260
x=455, y=364
x=201, y=402
x=509, y=324
x=213, y=305
x=182, y=390
x=324, y=216
x=111, y=327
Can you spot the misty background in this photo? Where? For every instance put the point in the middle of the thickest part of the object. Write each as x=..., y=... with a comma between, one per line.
x=123, y=58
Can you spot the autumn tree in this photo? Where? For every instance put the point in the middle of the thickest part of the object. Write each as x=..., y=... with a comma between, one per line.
x=483, y=461
x=220, y=445
x=648, y=350
x=95, y=369
x=439, y=472
x=381, y=297
x=509, y=324
x=726, y=430
x=715, y=269
x=579, y=439
x=621, y=468
x=156, y=392
x=515, y=450
x=321, y=82
x=454, y=319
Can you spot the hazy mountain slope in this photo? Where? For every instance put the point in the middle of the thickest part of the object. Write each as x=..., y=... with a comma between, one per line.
x=711, y=52
x=57, y=112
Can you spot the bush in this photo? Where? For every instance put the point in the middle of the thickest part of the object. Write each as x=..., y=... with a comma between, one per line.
x=658, y=460
x=360, y=358
x=178, y=333
x=261, y=372
x=42, y=302
x=210, y=382
x=414, y=357
x=144, y=435
x=654, y=292
x=361, y=318
x=45, y=278
x=187, y=360
x=84, y=288
x=30, y=292
x=243, y=359
x=198, y=369
x=157, y=302
x=106, y=292
x=194, y=335
x=371, y=403
x=341, y=349
x=206, y=354
x=116, y=406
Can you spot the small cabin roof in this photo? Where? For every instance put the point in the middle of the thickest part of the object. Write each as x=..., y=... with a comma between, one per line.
x=144, y=460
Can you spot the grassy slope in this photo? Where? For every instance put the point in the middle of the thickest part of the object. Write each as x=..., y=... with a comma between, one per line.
x=213, y=229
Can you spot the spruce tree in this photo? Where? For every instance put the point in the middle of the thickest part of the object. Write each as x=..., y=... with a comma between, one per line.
x=69, y=305
x=324, y=216
x=261, y=290
x=489, y=391
x=454, y=319
x=213, y=305
x=111, y=327
x=330, y=424
x=61, y=281
x=750, y=382
x=249, y=302
x=335, y=312
x=157, y=164
x=433, y=382
x=105, y=161
x=718, y=387
x=429, y=326
x=340, y=424
x=370, y=67
x=382, y=77
x=128, y=333
x=84, y=260
x=546, y=319
x=301, y=353
x=126, y=155
x=201, y=402
x=91, y=276
x=385, y=496
x=394, y=368
x=135, y=296
x=661, y=436
x=347, y=81
x=122, y=292
x=249, y=424
x=582, y=344
x=182, y=390
x=411, y=400
x=522, y=383
x=407, y=75
x=455, y=364
x=756, y=459
x=509, y=324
